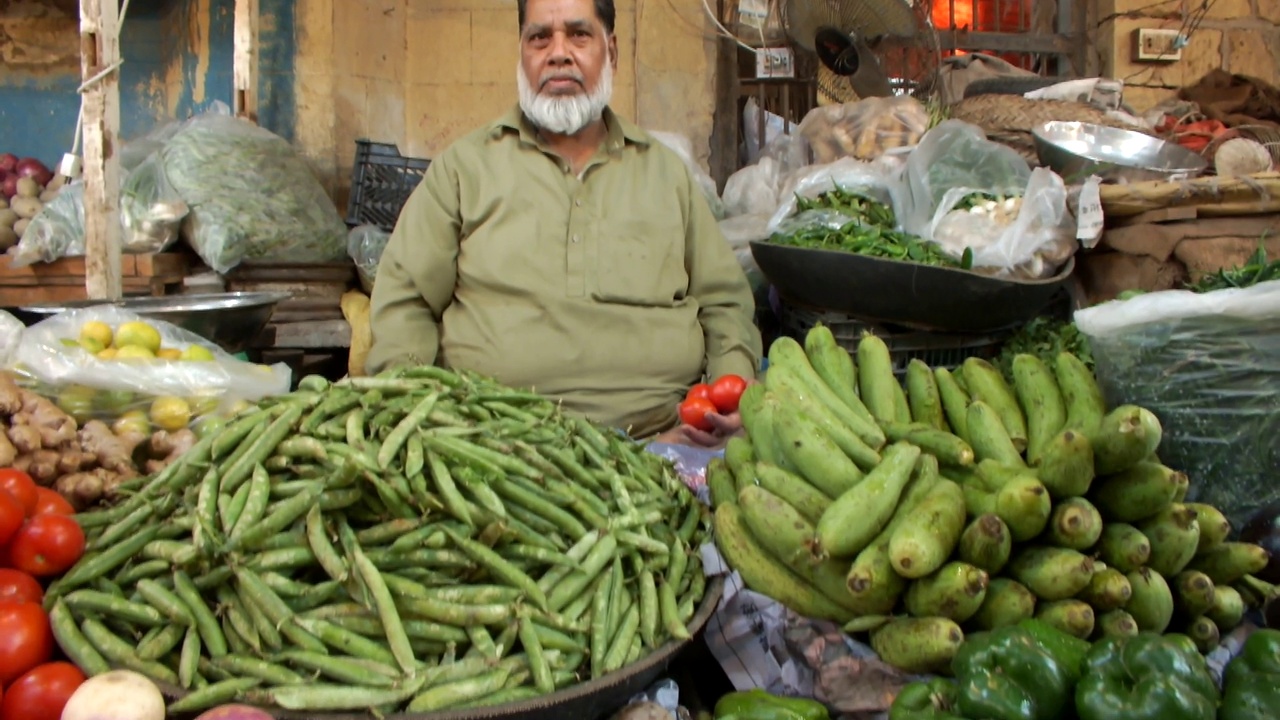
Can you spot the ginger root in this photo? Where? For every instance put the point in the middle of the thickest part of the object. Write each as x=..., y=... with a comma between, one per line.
x=110, y=451
x=43, y=467
x=25, y=438
x=55, y=426
x=10, y=395
x=8, y=453
x=83, y=489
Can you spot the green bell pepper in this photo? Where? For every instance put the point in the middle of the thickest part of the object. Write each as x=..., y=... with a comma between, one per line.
x=931, y=700
x=1007, y=675
x=756, y=704
x=1252, y=679
x=1069, y=650
x=1145, y=677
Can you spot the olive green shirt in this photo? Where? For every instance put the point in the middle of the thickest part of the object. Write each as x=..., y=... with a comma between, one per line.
x=612, y=290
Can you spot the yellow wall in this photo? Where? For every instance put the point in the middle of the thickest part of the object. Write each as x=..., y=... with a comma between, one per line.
x=421, y=73
x=1239, y=36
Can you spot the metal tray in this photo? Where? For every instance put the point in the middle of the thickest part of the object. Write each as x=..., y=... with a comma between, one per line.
x=895, y=291
x=586, y=701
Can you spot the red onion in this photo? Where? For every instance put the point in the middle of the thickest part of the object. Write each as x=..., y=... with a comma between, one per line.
x=8, y=161
x=9, y=186
x=34, y=169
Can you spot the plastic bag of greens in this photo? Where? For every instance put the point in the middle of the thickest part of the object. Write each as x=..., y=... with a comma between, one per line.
x=252, y=197
x=1208, y=366
x=956, y=155
x=150, y=214
x=847, y=174
x=365, y=245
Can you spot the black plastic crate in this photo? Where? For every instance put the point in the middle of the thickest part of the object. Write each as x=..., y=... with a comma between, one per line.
x=381, y=181
x=946, y=350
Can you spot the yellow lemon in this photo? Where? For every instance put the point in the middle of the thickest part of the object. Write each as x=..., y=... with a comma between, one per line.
x=140, y=334
x=97, y=331
x=134, y=421
x=107, y=353
x=169, y=354
x=134, y=352
x=203, y=404
x=197, y=353
x=170, y=413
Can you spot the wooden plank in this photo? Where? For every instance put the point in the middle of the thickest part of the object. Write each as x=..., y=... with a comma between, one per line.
x=100, y=76
x=149, y=265
x=312, y=335
x=37, y=294
x=1161, y=215
x=244, y=60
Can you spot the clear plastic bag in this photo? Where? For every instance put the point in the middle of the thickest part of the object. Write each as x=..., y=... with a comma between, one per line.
x=846, y=174
x=953, y=155
x=252, y=197
x=864, y=129
x=681, y=146
x=150, y=214
x=10, y=336
x=1208, y=366
x=1029, y=236
x=52, y=354
x=365, y=244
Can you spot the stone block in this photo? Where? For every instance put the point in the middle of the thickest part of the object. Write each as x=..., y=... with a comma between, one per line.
x=1104, y=275
x=384, y=108
x=438, y=48
x=1269, y=10
x=1232, y=9
x=1142, y=99
x=427, y=8
x=437, y=115
x=1148, y=8
x=624, y=99
x=1202, y=54
x=667, y=39
x=1255, y=53
x=495, y=45
x=370, y=41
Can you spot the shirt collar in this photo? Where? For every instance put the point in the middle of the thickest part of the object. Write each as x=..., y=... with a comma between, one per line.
x=620, y=131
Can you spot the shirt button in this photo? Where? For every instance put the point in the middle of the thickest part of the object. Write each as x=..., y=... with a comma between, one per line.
x=577, y=203
x=577, y=238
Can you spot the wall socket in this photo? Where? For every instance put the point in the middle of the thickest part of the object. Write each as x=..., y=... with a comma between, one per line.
x=1156, y=45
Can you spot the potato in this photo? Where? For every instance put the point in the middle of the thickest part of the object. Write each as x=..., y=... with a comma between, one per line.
x=28, y=187
x=4, y=203
x=47, y=196
x=8, y=238
x=20, y=227
x=8, y=218
x=57, y=182
x=26, y=207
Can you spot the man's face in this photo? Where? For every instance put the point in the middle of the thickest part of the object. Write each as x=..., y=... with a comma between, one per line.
x=566, y=67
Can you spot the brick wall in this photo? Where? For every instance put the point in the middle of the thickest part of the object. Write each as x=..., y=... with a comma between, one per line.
x=1239, y=36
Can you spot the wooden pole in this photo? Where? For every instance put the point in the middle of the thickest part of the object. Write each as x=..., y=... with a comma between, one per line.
x=245, y=59
x=99, y=71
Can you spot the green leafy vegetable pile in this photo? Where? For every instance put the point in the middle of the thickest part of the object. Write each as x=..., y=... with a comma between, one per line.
x=1044, y=337
x=1255, y=270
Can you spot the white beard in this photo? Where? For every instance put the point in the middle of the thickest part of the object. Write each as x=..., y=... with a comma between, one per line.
x=565, y=114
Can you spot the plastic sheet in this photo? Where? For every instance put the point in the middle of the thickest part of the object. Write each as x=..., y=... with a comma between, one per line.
x=365, y=244
x=864, y=129
x=50, y=356
x=846, y=174
x=11, y=330
x=1208, y=366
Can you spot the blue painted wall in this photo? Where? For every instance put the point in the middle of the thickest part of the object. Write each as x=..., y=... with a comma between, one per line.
x=169, y=71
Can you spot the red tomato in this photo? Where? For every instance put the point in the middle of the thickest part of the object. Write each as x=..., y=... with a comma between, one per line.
x=12, y=514
x=42, y=692
x=694, y=412
x=726, y=391
x=17, y=586
x=47, y=545
x=25, y=639
x=21, y=486
x=49, y=502
x=701, y=390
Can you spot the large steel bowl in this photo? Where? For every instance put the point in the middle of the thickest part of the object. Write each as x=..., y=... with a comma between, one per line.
x=1076, y=150
x=229, y=320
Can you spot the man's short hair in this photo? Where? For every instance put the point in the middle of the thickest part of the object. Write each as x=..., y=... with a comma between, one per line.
x=604, y=11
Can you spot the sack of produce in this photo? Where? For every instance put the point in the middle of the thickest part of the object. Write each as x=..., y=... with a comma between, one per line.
x=1208, y=365
x=1028, y=235
x=680, y=145
x=109, y=364
x=252, y=197
x=849, y=176
x=150, y=214
x=365, y=244
x=864, y=129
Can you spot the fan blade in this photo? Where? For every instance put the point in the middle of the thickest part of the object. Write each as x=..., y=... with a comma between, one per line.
x=870, y=78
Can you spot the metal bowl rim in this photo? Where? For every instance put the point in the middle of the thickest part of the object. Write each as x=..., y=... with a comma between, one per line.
x=1038, y=134
x=199, y=302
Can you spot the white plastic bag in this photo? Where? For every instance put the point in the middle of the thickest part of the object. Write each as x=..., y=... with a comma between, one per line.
x=1031, y=242
x=10, y=336
x=846, y=174
x=49, y=355
x=365, y=244
x=753, y=189
x=681, y=146
x=1208, y=366
x=953, y=155
x=864, y=129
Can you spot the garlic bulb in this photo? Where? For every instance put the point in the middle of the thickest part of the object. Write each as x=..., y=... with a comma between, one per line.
x=1241, y=156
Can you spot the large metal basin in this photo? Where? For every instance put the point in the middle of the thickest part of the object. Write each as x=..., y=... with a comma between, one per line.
x=1076, y=150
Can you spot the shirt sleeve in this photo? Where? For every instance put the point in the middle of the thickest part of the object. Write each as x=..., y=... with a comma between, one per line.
x=417, y=273
x=718, y=283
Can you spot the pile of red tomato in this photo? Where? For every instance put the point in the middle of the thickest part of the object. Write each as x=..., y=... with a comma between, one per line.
x=39, y=540
x=720, y=398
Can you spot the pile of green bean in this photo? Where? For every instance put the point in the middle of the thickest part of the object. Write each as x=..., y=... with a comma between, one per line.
x=414, y=541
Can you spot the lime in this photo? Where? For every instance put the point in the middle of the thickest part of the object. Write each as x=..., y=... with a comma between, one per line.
x=93, y=346
x=113, y=402
x=98, y=332
x=170, y=413
x=140, y=334
x=107, y=353
x=134, y=421
x=134, y=352
x=169, y=354
x=197, y=353
x=77, y=401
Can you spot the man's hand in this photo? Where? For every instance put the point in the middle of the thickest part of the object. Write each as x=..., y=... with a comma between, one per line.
x=723, y=427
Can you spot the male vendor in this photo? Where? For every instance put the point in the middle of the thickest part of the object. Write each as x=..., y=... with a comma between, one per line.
x=563, y=249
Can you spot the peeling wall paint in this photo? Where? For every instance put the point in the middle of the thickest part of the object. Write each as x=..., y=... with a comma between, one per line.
x=177, y=63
